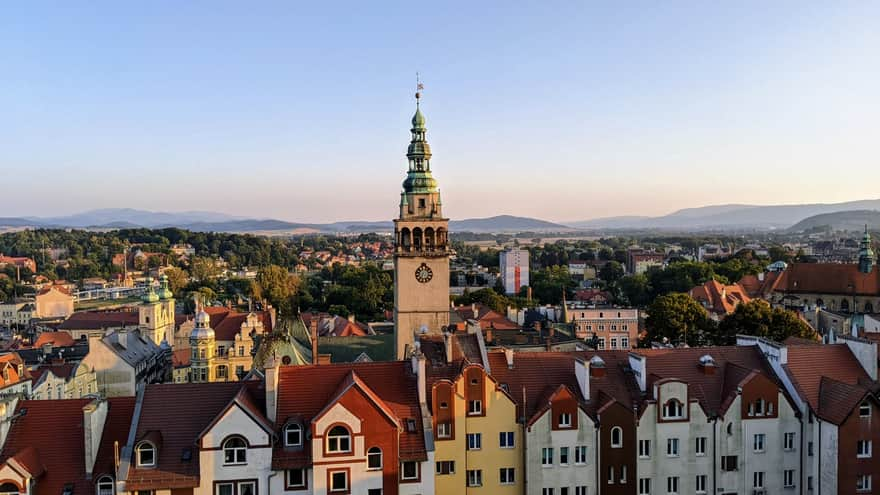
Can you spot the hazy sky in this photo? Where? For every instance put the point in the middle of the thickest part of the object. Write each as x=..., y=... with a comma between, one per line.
x=559, y=110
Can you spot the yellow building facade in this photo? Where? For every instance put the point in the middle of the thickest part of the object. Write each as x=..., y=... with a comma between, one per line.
x=478, y=442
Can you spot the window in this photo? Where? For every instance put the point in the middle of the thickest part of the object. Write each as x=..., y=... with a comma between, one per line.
x=610, y=475
x=475, y=407
x=104, y=486
x=580, y=454
x=624, y=342
x=729, y=463
x=865, y=410
x=506, y=476
x=810, y=448
x=788, y=441
x=616, y=437
x=623, y=474
x=547, y=456
x=505, y=440
x=474, y=441
x=295, y=479
x=374, y=458
x=563, y=456
x=445, y=467
x=672, y=484
x=758, y=444
x=700, y=447
x=788, y=478
x=293, y=435
x=221, y=372
x=474, y=477
x=338, y=481
x=600, y=344
x=613, y=340
x=546, y=491
x=338, y=440
x=863, y=483
x=644, y=486
x=580, y=490
x=863, y=449
x=700, y=483
x=409, y=470
x=672, y=447
x=235, y=488
x=810, y=483
x=758, y=479
x=234, y=451
x=146, y=454
x=644, y=449
x=673, y=409
x=565, y=420
x=444, y=430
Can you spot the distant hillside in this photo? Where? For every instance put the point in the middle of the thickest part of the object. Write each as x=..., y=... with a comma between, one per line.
x=841, y=220
x=201, y=221
x=729, y=217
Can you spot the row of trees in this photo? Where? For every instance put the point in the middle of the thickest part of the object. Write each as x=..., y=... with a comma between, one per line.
x=678, y=319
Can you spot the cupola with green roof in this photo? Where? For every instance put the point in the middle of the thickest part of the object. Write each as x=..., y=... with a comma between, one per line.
x=866, y=253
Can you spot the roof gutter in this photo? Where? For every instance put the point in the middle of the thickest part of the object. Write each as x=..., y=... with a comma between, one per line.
x=125, y=456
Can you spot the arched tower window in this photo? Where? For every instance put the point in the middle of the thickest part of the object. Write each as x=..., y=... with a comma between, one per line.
x=417, y=238
x=616, y=437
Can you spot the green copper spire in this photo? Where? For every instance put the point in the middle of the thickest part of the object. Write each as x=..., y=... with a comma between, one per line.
x=150, y=296
x=866, y=254
x=164, y=290
x=418, y=178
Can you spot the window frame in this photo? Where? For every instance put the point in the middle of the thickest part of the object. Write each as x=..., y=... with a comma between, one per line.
x=673, y=447
x=336, y=439
x=105, y=480
x=506, y=476
x=758, y=479
x=565, y=420
x=441, y=466
x=867, y=451
x=506, y=440
x=862, y=407
x=697, y=480
x=474, y=441
x=788, y=483
x=290, y=428
x=547, y=457
x=788, y=439
x=477, y=480
x=700, y=445
x=372, y=453
x=580, y=455
x=330, y=481
x=288, y=483
x=759, y=443
x=444, y=430
x=475, y=407
x=644, y=449
x=139, y=451
x=619, y=443
x=417, y=472
x=235, y=450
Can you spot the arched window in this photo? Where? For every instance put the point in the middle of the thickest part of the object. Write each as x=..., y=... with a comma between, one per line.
x=293, y=435
x=235, y=451
x=417, y=238
x=820, y=303
x=429, y=238
x=673, y=409
x=869, y=308
x=145, y=454
x=374, y=458
x=616, y=437
x=104, y=485
x=405, y=239
x=9, y=489
x=844, y=305
x=338, y=440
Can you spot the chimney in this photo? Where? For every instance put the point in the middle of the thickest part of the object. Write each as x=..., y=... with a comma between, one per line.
x=418, y=368
x=474, y=310
x=46, y=348
x=447, y=341
x=508, y=356
x=489, y=336
x=582, y=373
x=351, y=317
x=639, y=364
x=597, y=367
x=313, y=327
x=707, y=364
x=94, y=416
x=761, y=277
x=271, y=373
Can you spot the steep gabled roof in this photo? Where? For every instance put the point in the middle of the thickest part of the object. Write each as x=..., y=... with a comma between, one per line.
x=96, y=320
x=823, y=374
x=305, y=391
x=829, y=278
x=57, y=339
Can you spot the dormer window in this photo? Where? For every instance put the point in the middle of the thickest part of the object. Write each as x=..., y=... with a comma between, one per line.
x=235, y=451
x=865, y=410
x=475, y=407
x=565, y=420
x=104, y=486
x=293, y=435
x=673, y=409
x=145, y=455
x=338, y=440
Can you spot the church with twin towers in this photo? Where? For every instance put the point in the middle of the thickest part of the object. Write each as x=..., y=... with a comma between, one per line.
x=421, y=254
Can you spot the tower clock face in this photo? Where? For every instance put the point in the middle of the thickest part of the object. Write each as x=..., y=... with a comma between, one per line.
x=424, y=274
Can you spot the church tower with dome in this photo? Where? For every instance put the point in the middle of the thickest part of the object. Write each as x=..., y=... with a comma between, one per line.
x=421, y=254
x=156, y=312
x=202, y=343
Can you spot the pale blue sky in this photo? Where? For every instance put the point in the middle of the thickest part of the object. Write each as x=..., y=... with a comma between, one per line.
x=559, y=110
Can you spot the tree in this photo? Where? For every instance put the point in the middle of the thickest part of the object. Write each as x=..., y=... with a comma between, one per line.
x=611, y=272
x=204, y=269
x=278, y=286
x=677, y=318
x=548, y=284
x=759, y=319
x=635, y=289
x=177, y=279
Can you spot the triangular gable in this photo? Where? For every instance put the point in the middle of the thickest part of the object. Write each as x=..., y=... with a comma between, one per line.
x=352, y=380
x=489, y=376
x=242, y=401
x=560, y=392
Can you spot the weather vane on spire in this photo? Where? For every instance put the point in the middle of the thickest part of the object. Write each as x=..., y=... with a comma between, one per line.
x=419, y=88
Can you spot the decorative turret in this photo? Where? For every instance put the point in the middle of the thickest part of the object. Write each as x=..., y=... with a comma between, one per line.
x=418, y=178
x=150, y=295
x=866, y=254
x=164, y=290
x=202, y=329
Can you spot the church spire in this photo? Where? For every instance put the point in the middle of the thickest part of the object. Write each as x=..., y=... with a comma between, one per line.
x=418, y=178
x=866, y=254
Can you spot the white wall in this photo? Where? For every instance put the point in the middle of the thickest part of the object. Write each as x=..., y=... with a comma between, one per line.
x=541, y=435
x=259, y=460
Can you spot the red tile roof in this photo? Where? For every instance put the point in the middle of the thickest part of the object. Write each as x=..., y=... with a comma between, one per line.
x=488, y=317
x=63, y=370
x=116, y=428
x=829, y=278
x=46, y=290
x=180, y=358
x=825, y=375
x=226, y=323
x=195, y=407
x=57, y=339
x=304, y=391
x=94, y=320
x=35, y=438
x=719, y=298
x=757, y=288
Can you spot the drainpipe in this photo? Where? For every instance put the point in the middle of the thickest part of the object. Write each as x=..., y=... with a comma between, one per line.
x=819, y=455
x=801, y=456
x=525, y=458
x=598, y=458
x=271, y=475
x=715, y=455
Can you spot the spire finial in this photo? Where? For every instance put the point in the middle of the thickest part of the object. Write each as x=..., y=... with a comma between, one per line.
x=419, y=88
